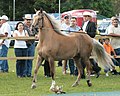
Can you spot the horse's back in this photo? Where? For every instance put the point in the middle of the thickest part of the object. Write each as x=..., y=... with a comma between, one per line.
x=85, y=44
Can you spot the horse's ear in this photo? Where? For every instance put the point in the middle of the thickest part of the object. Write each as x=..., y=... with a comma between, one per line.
x=41, y=10
x=35, y=10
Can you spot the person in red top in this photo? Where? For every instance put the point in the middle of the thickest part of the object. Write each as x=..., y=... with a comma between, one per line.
x=109, y=49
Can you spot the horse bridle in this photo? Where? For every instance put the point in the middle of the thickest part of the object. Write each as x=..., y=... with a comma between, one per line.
x=42, y=19
x=37, y=26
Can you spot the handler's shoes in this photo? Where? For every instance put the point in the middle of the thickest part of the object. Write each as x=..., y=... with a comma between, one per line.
x=107, y=74
x=98, y=74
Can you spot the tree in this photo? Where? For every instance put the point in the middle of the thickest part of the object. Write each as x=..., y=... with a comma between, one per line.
x=24, y=7
x=116, y=7
x=105, y=7
x=50, y=6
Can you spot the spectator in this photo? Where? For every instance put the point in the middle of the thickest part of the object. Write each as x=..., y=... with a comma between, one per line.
x=73, y=28
x=108, y=28
x=109, y=49
x=114, y=31
x=5, y=31
x=65, y=24
x=30, y=44
x=20, y=49
x=90, y=28
x=73, y=25
x=87, y=25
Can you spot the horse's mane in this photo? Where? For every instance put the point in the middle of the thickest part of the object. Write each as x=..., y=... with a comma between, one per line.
x=55, y=24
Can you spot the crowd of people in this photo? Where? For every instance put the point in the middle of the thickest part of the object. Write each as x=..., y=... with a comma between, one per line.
x=24, y=48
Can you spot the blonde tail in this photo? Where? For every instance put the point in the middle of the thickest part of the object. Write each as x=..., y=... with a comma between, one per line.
x=103, y=58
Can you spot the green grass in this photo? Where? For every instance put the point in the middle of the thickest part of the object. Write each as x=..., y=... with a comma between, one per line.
x=10, y=85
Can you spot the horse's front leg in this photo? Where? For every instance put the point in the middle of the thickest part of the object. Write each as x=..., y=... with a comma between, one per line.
x=52, y=71
x=79, y=67
x=38, y=63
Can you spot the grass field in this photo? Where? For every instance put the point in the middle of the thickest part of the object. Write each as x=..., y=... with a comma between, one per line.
x=10, y=85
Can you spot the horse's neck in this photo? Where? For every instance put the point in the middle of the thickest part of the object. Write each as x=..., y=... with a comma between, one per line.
x=47, y=24
x=45, y=34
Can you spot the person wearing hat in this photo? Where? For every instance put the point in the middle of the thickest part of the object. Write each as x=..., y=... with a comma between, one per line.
x=31, y=44
x=90, y=28
x=65, y=24
x=5, y=31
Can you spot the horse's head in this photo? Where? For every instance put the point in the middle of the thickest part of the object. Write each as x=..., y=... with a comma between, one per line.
x=38, y=20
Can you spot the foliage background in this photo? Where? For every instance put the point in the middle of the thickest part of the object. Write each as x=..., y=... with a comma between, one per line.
x=105, y=7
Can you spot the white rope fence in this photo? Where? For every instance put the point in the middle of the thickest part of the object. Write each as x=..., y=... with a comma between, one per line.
x=17, y=38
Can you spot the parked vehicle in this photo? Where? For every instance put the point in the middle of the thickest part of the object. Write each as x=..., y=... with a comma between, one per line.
x=102, y=27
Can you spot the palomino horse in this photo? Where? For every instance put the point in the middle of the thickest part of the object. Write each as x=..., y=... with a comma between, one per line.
x=53, y=45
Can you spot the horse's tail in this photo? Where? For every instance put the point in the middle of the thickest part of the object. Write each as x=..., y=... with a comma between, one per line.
x=103, y=57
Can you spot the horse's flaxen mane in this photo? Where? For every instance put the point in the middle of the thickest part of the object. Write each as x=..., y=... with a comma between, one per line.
x=55, y=24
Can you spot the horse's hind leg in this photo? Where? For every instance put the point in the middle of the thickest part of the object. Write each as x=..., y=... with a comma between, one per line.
x=88, y=68
x=79, y=67
x=64, y=66
x=39, y=61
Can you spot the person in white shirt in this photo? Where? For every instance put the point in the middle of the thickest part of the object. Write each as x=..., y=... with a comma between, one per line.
x=114, y=31
x=65, y=24
x=5, y=31
x=109, y=27
x=20, y=49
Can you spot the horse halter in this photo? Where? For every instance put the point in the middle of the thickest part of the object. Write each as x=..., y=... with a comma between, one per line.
x=41, y=20
x=39, y=24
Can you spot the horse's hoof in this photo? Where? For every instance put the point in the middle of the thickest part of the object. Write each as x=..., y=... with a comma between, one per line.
x=33, y=86
x=75, y=84
x=89, y=83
